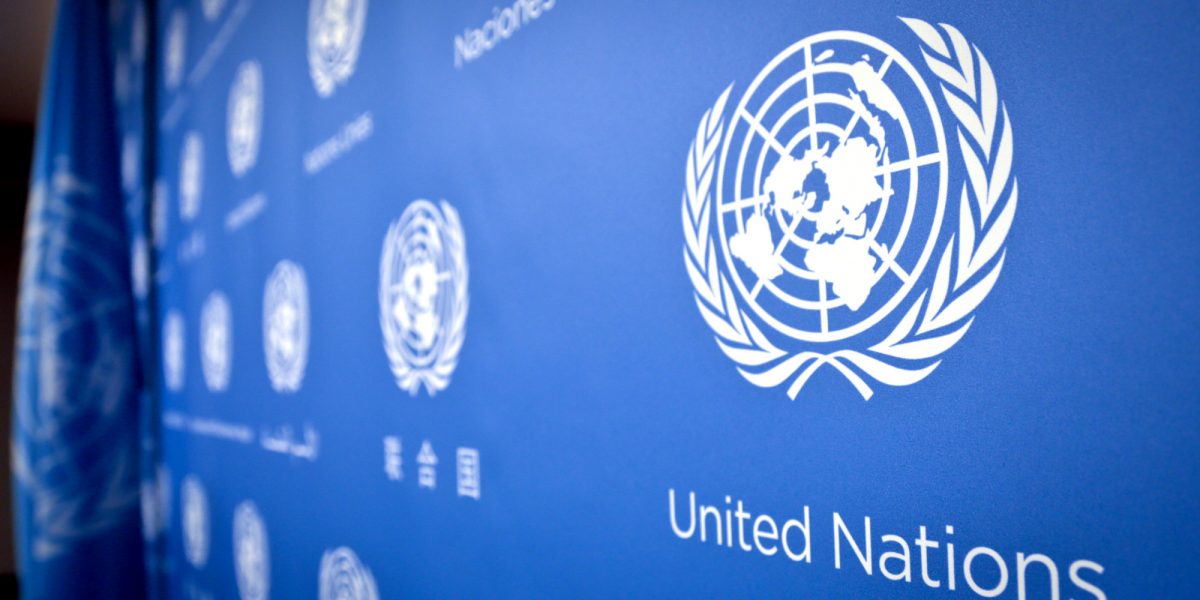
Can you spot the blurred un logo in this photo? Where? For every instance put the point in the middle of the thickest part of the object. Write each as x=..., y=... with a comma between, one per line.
x=251, y=552
x=130, y=162
x=343, y=577
x=216, y=341
x=423, y=295
x=176, y=49
x=335, y=30
x=285, y=326
x=191, y=176
x=813, y=207
x=194, y=514
x=173, y=350
x=245, y=117
x=212, y=8
x=74, y=443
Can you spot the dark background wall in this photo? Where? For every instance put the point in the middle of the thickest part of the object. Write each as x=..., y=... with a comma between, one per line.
x=24, y=36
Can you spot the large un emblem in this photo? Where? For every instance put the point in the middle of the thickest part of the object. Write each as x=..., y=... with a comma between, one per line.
x=335, y=30
x=251, y=552
x=216, y=341
x=815, y=205
x=344, y=577
x=285, y=326
x=423, y=295
x=244, y=127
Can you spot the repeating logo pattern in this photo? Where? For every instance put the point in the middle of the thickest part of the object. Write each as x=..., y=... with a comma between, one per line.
x=251, y=552
x=285, y=326
x=173, y=350
x=423, y=295
x=335, y=30
x=343, y=577
x=216, y=341
x=194, y=514
x=176, y=49
x=245, y=117
x=813, y=207
x=191, y=176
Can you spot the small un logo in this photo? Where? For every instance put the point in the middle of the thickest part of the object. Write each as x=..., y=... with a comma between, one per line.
x=335, y=30
x=251, y=552
x=216, y=341
x=244, y=127
x=191, y=175
x=173, y=350
x=343, y=577
x=176, y=49
x=814, y=206
x=423, y=295
x=285, y=326
x=195, y=524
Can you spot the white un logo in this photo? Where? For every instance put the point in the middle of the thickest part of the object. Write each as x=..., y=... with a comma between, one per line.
x=815, y=204
x=216, y=341
x=335, y=30
x=191, y=175
x=244, y=127
x=343, y=577
x=251, y=552
x=423, y=295
x=194, y=515
x=176, y=49
x=285, y=326
x=173, y=350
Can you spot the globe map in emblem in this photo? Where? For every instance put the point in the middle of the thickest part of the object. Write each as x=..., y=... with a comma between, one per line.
x=335, y=29
x=251, y=552
x=194, y=513
x=423, y=295
x=344, y=577
x=245, y=117
x=216, y=341
x=285, y=326
x=831, y=186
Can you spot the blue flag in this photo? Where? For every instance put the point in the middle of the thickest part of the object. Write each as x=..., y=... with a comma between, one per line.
x=77, y=442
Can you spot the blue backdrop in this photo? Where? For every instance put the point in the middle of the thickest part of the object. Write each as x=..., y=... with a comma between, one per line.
x=590, y=374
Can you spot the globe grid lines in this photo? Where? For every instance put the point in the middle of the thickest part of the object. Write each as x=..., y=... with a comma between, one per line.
x=911, y=164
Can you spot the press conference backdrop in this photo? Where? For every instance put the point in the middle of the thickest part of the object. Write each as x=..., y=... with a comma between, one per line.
x=555, y=298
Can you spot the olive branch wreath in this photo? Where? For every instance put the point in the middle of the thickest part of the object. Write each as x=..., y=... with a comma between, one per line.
x=968, y=268
x=437, y=376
